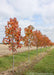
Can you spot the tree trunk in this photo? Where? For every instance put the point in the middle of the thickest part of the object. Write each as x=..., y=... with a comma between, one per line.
x=13, y=63
x=28, y=50
x=37, y=51
x=36, y=48
x=46, y=48
x=41, y=48
x=28, y=53
x=13, y=54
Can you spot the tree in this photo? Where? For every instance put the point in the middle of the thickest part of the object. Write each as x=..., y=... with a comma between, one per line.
x=12, y=36
x=28, y=37
x=37, y=39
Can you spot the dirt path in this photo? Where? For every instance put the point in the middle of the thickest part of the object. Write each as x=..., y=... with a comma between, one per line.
x=5, y=51
x=25, y=66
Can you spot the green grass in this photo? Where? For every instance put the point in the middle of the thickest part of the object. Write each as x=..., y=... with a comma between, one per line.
x=6, y=61
x=45, y=66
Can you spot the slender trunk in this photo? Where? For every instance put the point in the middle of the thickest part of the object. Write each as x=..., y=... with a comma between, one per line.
x=46, y=48
x=13, y=63
x=37, y=50
x=13, y=54
x=41, y=48
x=28, y=50
x=28, y=53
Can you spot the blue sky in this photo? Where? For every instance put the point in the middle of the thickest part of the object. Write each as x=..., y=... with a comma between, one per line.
x=39, y=13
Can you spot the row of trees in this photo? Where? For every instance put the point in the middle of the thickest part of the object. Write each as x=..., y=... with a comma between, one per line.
x=13, y=37
x=35, y=38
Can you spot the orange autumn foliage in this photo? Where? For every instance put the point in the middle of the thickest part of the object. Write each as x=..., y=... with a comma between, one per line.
x=40, y=40
x=12, y=34
x=28, y=35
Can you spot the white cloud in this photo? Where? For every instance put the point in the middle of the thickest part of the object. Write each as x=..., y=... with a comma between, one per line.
x=28, y=8
x=22, y=9
x=48, y=31
x=25, y=23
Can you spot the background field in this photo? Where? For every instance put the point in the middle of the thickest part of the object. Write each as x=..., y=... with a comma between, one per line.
x=45, y=66
x=6, y=61
x=5, y=51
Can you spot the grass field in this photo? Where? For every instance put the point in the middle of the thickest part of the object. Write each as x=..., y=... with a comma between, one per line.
x=44, y=67
x=6, y=61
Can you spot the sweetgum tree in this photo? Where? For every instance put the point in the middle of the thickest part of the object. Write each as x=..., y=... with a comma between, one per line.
x=37, y=39
x=12, y=36
x=28, y=36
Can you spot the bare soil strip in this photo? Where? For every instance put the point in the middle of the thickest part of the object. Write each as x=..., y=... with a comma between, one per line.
x=29, y=64
x=5, y=51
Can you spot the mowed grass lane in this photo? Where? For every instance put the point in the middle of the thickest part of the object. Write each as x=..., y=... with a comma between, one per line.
x=6, y=61
x=44, y=67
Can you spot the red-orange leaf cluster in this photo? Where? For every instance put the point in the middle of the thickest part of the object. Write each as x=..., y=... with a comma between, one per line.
x=36, y=38
x=40, y=40
x=28, y=35
x=13, y=34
